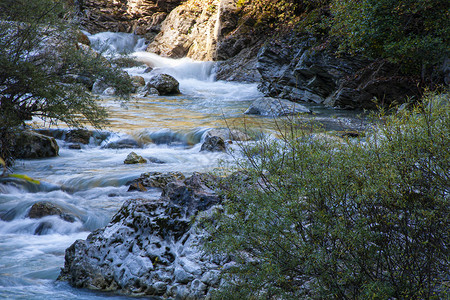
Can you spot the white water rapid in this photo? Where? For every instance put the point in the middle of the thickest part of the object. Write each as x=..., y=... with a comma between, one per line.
x=90, y=183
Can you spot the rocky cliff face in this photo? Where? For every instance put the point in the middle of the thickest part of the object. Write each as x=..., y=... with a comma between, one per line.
x=194, y=28
x=295, y=68
x=142, y=17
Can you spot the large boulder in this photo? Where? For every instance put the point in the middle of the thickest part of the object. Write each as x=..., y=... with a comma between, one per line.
x=272, y=107
x=164, y=84
x=29, y=144
x=151, y=247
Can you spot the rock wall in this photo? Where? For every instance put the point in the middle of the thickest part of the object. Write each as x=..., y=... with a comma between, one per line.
x=194, y=28
x=294, y=67
x=152, y=247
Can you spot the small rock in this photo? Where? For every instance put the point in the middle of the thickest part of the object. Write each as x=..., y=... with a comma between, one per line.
x=75, y=146
x=133, y=158
x=213, y=144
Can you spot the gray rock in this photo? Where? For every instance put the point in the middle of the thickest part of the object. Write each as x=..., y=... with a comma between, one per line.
x=29, y=144
x=150, y=247
x=267, y=106
x=213, y=144
x=154, y=180
x=164, y=84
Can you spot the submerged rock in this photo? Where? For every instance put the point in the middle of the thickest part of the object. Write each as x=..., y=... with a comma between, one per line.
x=151, y=247
x=29, y=144
x=134, y=158
x=267, y=106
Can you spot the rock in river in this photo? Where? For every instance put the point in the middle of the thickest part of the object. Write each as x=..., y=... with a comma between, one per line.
x=151, y=247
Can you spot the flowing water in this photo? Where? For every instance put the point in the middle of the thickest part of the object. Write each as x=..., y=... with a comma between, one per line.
x=91, y=183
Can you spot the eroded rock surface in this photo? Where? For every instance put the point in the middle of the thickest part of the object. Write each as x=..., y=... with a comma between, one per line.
x=151, y=247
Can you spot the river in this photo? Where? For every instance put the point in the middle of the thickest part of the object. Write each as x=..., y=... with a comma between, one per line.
x=91, y=183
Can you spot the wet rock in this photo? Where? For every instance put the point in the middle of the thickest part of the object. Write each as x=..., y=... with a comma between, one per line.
x=45, y=208
x=29, y=144
x=164, y=84
x=267, y=106
x=154, y=180
x=81, y=136
x=75, y=146
x=133, y=158
x=229, y=134
x=213, y=144
x=122, y=144
x=137, y=81
x=151, y=247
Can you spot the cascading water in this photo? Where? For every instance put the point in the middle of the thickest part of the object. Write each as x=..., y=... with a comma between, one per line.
x=89, y=184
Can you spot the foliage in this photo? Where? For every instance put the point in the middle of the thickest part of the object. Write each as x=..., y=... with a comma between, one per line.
x=414, y=33
x=273, y=14
x=44, y=71
x=315, y=217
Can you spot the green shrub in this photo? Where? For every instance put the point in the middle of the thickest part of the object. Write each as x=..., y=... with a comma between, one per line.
x=366, y=219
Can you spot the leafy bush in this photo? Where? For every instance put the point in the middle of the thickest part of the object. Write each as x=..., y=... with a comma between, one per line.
x=326, y=218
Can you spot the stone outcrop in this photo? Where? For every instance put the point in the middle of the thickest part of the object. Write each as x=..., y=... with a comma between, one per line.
x=273, y=107
x=151, y=247
x=30, y=144
x=194, y=28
